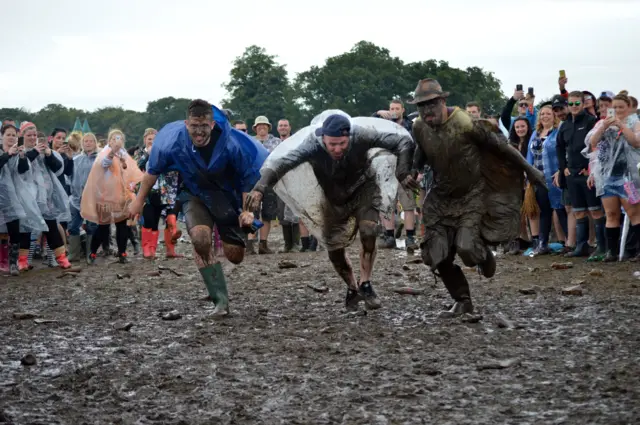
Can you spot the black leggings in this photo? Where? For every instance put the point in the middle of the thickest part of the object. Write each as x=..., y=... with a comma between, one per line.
x=152, y=211
x=54, y=238
x=13, y=229
x=102, y=233
x=546, y=215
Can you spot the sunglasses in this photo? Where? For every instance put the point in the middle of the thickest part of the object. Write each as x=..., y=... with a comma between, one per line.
x=244, y=130
x=524, y=105
x=574, y=103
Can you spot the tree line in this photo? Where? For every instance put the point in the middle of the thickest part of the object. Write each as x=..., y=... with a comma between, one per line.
x=360, y=82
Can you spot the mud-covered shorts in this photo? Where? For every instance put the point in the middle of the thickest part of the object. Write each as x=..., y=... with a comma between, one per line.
x=209, y=208
x=341, y=222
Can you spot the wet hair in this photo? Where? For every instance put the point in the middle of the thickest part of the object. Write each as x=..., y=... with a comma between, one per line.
x=577, y=93
x=472, y=104
x=199, y=108
x=623, y=96
x=6, y=127
x=514, y=139
x=58, y=130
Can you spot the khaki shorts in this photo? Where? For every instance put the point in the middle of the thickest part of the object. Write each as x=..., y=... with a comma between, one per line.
x=406, y=198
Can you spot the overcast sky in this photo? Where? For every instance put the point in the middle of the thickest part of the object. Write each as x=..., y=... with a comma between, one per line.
x=93, y=53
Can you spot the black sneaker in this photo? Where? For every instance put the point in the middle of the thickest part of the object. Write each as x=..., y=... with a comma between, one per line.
x=122, y=258
x=370, y=298
x=352, y=300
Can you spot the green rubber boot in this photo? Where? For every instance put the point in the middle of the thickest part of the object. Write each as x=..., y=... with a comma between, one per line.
x=217, y=287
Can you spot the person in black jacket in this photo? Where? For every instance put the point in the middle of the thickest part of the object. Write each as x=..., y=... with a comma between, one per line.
x=574, y=172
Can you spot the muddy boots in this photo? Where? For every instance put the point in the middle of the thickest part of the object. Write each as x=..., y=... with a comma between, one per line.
x=217, y=287
x=582, y=239
x=251, y=246
x=305, y=241
x=263, y=248
x=295, y=238
x=287, y=236
x=87, y=248
x=488, y=267
x=613, y=244
x=456, y=283
x=14, y=252
x=75, y=248
x=133, y=238
x=365, y=292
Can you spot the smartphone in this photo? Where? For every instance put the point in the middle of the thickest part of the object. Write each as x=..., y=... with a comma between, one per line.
x=519, y=87
x=530, y=91
x=611, y=113
x=563, y=74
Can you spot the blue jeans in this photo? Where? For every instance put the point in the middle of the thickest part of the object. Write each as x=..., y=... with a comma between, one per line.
x=76, y=223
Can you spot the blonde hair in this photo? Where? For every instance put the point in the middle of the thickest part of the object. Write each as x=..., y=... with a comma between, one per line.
x=114, y=132
x=93, y=136
x=74, y=139
x=149, y=131
x=623, y=96
x=556, y=121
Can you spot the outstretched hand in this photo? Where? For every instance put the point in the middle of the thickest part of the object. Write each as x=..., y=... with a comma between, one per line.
x=252, y=201
x=537, y=177
x=410, y=183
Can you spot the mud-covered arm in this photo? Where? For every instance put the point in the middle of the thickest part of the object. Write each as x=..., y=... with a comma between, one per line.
x=499, y=144
x=419, y=157
x=399, y=144
x=269, y=176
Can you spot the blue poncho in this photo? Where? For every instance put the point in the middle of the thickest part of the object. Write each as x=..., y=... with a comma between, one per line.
x=235, y=163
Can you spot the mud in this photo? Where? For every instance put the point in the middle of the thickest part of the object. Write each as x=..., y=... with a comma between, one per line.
x=289, y=353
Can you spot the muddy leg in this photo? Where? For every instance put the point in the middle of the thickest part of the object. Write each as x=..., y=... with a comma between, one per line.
x=474, y=253
x=343, y=266
x=456, y=283
x=367, y=258
x=210, y=269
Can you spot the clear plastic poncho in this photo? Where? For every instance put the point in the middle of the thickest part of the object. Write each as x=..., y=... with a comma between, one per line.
x=108, y=192
x=614, y=161
x=299, y=188
x=19, y=204
x=51, y=197
x=81, y=168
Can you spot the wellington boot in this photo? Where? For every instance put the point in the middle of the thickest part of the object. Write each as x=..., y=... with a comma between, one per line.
x=174, y=231
x=170, y=245
x=14, y=252
x=217, y=287
x=75, y=248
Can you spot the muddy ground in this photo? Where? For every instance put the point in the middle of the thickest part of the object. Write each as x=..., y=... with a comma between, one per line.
x=291, y=355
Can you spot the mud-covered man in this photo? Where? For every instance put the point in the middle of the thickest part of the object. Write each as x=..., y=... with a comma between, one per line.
x=475, y=197
x=218, y=166
x=338, y=154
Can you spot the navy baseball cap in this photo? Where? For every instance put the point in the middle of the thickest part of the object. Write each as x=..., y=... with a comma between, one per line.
x=335, y=125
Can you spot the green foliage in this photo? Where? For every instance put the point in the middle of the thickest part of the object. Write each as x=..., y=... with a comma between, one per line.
x=360, y=82
x=258, y=86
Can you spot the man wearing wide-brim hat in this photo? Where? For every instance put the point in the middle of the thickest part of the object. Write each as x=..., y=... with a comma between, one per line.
x=476, y=194
x=268, y=210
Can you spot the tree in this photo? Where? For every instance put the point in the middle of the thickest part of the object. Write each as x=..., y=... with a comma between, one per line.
x=472, y=84
x=258, y=85
x=358, y=82
x=166, y=110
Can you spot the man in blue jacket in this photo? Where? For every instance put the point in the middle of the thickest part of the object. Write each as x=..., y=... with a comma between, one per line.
x=218, y=165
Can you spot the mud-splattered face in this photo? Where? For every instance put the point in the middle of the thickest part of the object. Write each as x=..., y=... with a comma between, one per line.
x=432, y=111
x=199, y=129
x=336, y=146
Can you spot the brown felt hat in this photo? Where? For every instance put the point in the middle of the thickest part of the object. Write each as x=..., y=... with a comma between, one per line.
x=428, y=89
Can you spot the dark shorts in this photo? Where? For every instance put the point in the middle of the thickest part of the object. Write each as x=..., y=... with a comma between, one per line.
x=566, y=198
x=268, y=210
x=213, y=207
x=582, y=198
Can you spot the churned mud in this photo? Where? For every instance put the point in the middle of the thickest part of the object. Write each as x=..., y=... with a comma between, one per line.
x=95, y=348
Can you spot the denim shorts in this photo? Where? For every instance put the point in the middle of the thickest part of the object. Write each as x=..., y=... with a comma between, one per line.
x=614, y=190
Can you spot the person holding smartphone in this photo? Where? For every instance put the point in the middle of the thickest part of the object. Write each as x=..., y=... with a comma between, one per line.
x=525, y=107
x=574, y=170
x=615, y=143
